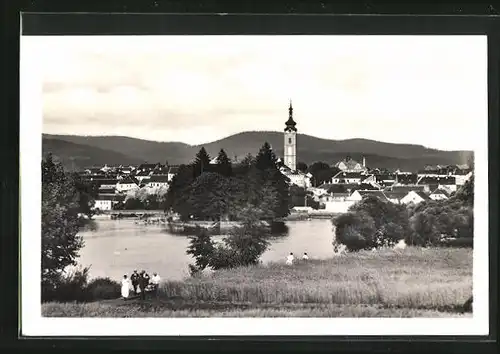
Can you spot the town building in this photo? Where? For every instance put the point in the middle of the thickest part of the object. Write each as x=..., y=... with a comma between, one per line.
x=434, y=182
x=395, y=197
x=350, y=165
x=414, y=197
x=358, y=195
x=288, y=166
x=172, y=171
x=297, y=178
x=126, y=184
x=460, y=173
x=344, y=177
x=105, y=202
x=156, y=181
x=142, y=175
x=105, y=183
x=148, y=167
x=439, y=194
x=290, y=145
x=386, y=179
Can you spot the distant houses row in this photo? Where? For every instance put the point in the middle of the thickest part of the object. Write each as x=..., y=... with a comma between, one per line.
x=355, y=181
x=345, y=188
x=339, y=202
x=114, y=182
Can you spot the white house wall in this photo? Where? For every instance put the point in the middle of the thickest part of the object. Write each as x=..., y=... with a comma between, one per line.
x=102, y=204
x=338, y=206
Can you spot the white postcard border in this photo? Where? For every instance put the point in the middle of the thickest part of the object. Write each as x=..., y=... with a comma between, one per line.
x=34, y=325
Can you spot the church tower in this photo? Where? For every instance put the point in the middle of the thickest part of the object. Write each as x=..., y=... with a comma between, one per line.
x=290, y=151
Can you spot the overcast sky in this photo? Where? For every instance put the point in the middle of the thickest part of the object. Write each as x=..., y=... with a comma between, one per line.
x=425, y=90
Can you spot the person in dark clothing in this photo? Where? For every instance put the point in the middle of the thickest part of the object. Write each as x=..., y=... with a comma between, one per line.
x=135, y=280
x=143, y=283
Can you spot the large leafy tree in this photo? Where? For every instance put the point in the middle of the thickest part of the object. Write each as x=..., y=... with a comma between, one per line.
x=249, y=240
x=60, y=223
x=465, y=193
x=178, y=193
x=87, y=193
x=201, y=248
x=300, y=197
x=252, y=192
x=244, y=245
x=208, y=197
x=244, y=166
x=322, y=172
x=383, y=212
x=265, y=163
x=302, y=166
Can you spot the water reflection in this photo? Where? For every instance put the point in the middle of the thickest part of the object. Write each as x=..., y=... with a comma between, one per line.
x=89, y=225
x=117, y=247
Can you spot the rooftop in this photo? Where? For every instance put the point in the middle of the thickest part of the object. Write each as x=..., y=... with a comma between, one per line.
x=158, y=179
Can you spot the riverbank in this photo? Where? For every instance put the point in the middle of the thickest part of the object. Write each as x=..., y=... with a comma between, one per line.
x=294, y=216
x=413, y=282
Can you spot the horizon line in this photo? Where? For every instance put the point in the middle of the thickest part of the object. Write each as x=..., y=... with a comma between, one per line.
x=254, y=131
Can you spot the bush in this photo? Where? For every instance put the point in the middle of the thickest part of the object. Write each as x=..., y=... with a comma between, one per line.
x=102, y=289
x=389, y=234
x=244, y=245
x=247, y=242
x=464, y=222
x=370, y=223
x=462, y=242
x=435, y=220
x=68, y=287
x=424, y=229
x=224, y=258
x=74, y=286
x=201, y=248
x=355, y=230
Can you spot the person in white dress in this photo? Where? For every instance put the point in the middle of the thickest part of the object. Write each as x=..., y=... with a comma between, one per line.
x=289, y=259
x=126, y=285
x=305, y=257
x=155, y=281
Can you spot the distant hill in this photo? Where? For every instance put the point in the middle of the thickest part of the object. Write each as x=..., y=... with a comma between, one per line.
x=78, y=156
x=309, y=149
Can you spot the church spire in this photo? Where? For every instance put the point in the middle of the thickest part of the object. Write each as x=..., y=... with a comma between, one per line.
x=290, y=123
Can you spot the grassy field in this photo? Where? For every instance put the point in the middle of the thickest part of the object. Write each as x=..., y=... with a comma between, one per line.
x=413, y=282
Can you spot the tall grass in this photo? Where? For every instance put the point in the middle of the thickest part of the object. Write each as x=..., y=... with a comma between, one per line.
x=413, y=278
x=106, y=310
x=405, y=283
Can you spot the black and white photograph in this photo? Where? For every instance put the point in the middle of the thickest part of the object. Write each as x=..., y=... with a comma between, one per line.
x=201, y=184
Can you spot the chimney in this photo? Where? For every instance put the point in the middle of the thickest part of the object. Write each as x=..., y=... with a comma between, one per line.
x=364, y=162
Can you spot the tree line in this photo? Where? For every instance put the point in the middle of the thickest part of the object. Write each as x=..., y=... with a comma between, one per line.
x=66, y=200
x=205, y=191
x=373, y=222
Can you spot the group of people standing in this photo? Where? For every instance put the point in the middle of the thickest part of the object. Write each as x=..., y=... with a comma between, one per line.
x=290, y=258
x=139, y=284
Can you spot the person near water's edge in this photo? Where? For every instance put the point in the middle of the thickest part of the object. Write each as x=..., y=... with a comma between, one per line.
x=143, y=283
x=155, y=281
x=135, y=280
x=125, y=289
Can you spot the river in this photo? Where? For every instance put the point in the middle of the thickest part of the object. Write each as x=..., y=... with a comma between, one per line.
x=117, y=247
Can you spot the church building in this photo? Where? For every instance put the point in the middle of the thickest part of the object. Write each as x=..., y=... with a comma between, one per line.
x=290, y=150
x=290, y=154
